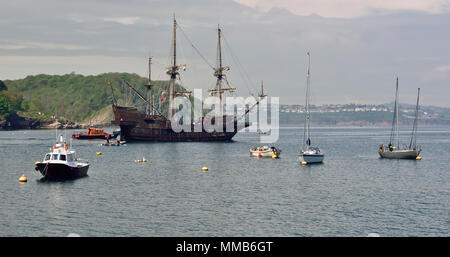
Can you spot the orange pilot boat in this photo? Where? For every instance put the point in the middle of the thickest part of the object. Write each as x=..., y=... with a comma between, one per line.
x=93, y=133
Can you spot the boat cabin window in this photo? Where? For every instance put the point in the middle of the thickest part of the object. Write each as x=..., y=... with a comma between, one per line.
x=47, y=157
x=69, y=157
x=62, y=157
x=54, y=156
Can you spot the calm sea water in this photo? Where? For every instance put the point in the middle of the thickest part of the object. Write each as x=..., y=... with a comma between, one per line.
x=353, y=193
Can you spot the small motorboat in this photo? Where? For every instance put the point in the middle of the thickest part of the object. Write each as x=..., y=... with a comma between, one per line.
x=94, y=133
x=265, y=151
x=62, y=163
x=116, y=143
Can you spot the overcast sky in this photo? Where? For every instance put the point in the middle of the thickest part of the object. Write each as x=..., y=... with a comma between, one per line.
x=357, y=47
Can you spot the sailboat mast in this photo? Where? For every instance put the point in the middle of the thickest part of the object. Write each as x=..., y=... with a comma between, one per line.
x=307, y=133
x=395, y=119
x=398, y=138
x=148, y=110
x=412, y=144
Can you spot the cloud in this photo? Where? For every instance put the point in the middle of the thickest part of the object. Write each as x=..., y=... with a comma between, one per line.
x=123, y=20
x=47, y=46
x=20, y=66
x=439, y=73
x=13, y=47
x=349, y=8
x=445, y=68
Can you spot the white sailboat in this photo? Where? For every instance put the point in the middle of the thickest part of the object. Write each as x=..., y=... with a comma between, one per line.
x=393, y=149
x=309, y=153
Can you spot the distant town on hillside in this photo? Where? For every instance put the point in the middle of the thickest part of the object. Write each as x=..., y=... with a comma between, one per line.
x=364, y=114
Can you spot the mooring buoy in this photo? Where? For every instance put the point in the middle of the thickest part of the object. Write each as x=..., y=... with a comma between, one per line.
x=23, y=178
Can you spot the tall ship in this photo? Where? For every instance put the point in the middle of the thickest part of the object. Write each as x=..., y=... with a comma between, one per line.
x=154, y=126
x=393, y=150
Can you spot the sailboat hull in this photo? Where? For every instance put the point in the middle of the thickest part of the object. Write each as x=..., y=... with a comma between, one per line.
x=399, y=154
x=311, y=158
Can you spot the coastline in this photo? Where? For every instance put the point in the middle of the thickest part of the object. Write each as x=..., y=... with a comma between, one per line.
x=19, y=123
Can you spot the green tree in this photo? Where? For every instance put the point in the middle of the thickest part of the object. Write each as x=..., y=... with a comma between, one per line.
x=2, y=86
x=5, y=107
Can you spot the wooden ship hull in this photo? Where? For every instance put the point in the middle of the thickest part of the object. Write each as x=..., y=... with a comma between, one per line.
x=135, y=126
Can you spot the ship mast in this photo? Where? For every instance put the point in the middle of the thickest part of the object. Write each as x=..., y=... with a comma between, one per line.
x=148, y=110
x=262, y=95
x=173, y=71
x=219, y=73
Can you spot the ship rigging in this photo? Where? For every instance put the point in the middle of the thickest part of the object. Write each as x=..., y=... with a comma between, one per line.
x=154, y=126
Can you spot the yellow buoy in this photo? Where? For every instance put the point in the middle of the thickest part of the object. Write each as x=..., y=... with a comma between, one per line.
x=304, y=163
x=99, y=153
x=205, y=168
x=274, y=156
x=141, y=160
x=23, y=178
x=36, y=163
x=418, y=158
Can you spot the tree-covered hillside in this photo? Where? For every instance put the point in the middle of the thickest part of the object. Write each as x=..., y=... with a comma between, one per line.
x=11, y=102
x=77, y=97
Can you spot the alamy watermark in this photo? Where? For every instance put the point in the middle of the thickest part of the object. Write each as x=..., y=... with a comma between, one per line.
x=235, y=114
